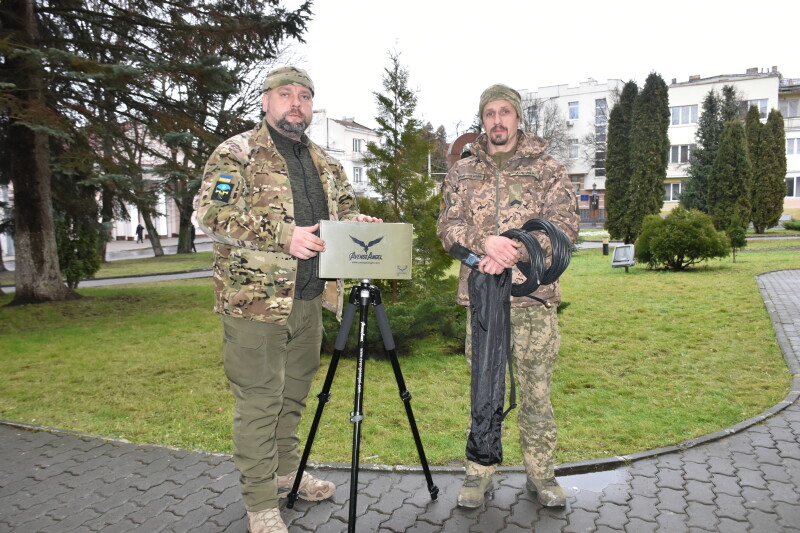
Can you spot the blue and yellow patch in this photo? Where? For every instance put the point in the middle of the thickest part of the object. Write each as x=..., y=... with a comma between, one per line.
x=222, y=190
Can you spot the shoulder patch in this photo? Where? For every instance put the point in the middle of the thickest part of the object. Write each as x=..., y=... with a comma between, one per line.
x=222, y=190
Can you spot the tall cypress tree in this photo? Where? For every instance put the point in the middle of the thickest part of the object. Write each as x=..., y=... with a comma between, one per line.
x=709, y=130
x=618, y=163
x=649, y=153
x=756, y=138
x=769, y=185
x=729, y=184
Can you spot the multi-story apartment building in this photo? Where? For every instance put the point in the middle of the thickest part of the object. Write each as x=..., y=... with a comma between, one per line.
x=579, y=137
x=583, y=112
x=346, y=140
x=766, y=90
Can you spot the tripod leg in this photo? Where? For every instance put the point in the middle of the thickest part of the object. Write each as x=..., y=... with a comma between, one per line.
x=358, y=403
x=405, y=395
x=324, y=396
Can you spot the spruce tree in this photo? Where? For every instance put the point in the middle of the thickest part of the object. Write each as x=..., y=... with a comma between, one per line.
x=730, y=104
x=397, y=168
x=649, y=153
x=709, y=129
x=769, y=185
x=729, y=184
x=618, y=163
x=91, y=67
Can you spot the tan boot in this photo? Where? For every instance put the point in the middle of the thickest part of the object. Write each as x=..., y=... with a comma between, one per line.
x=311, y=488
x=477, y=482
x=548, y=491
x=266, y=521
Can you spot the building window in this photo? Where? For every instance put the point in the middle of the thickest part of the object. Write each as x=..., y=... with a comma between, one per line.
x=599, y=160
x=761, y=105
x=672, y=192
x=533, y=113
x=574, y=148
x=789, y=108
x=791, y=188
x=600, y=134
x=683, y=114
x=357, y=146
x=679, y=153
x=356, y=174
x=600, y=112
x=792, y=146
x=574, y=111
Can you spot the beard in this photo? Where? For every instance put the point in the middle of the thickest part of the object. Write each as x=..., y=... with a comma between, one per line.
x=293, y=129
x=499, y=138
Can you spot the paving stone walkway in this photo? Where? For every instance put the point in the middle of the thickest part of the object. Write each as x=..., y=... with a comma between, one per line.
x=746, y=478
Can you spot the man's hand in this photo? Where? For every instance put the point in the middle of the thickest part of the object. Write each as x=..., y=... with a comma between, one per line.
x=366, y=218
x=305, y=244
x=503, y=251
x=490, y=266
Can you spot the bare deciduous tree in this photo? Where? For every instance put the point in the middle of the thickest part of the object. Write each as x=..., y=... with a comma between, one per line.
x=543, y=117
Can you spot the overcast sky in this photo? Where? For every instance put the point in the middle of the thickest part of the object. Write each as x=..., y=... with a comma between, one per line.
x=455, y=49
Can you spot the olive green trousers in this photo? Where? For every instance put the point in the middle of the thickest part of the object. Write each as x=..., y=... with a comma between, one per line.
x=270, y=368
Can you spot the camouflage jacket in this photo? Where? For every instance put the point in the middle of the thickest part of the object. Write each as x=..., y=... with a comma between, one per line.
x=245, y=205
x=480, y=200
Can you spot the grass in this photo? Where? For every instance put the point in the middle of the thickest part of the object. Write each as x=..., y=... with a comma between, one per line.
x=648, y=358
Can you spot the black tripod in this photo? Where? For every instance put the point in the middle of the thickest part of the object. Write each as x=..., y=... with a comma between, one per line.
x=363, y=295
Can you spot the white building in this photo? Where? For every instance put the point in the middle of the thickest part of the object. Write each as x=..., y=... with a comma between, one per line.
x=585, y=110
x=766, y=90
x=346, y=140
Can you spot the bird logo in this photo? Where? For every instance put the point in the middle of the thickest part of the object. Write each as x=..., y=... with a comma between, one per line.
x=366, y=247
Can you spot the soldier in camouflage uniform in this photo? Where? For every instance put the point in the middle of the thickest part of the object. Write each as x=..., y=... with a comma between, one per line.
x=262, y=197
x=506, y=182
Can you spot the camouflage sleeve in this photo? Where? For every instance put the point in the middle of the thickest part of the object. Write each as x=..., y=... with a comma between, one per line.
x=224, y=212
x=452, y=225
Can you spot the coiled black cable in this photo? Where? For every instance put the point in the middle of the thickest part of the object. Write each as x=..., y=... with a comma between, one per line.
x=536, y=271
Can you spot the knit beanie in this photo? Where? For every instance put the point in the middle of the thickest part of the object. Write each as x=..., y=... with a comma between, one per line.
x=288, y=76
x=501, y=92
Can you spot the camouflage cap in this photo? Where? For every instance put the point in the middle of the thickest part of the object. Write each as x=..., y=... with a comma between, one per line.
x=501, y=92
x=288, y=76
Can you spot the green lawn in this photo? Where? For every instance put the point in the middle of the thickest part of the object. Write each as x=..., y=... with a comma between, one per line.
x=648, y=359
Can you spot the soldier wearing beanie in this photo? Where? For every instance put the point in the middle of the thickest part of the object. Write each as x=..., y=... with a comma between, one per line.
x=263, y=194
x=508, y=180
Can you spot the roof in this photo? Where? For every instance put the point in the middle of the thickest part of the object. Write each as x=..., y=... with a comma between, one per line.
x=350, y=123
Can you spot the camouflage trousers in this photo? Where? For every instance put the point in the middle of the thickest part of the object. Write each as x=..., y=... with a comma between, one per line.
x=270, y=368
x=535, y=341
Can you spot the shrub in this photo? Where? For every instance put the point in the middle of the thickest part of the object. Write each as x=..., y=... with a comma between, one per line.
x=420, y=313
x=683, y=238
x=792, y=224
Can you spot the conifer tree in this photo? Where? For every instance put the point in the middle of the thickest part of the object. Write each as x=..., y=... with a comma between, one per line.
x=709, y=128
x=649, y=153
x=104, y=64
x=729, y=183
x=769, y=185
x=618, y=163
x=397, y=168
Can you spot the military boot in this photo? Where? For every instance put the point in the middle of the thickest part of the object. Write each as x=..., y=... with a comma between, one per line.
x=311, y=488
x=477, y=483
x=266, y=521
x=548, y=491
